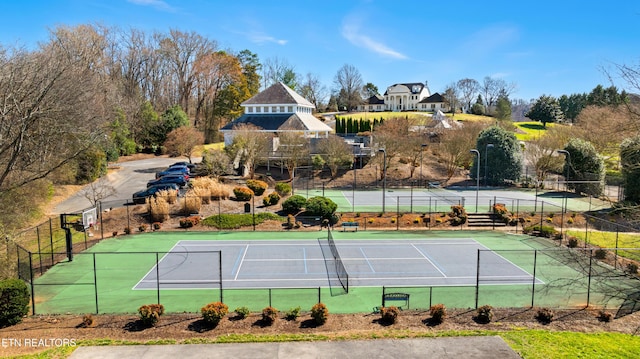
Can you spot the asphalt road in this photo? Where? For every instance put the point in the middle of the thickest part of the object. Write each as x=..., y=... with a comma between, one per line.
x=132, y=176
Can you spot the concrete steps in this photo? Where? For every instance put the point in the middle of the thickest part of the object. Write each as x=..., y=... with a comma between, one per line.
x=483, y=220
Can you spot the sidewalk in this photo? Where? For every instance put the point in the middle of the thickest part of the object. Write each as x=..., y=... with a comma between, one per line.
x=433, y=348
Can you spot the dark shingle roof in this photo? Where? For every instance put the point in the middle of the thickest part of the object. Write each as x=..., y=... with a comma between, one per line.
x=435, y=98
x=374, y=100
x=277, y=94
x=269, y=122
x=409, y=86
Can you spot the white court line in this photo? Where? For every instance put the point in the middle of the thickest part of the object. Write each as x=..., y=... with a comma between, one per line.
x=152, y=269
x=246, y=249
x=429, y=260
x=510, y=262
x=367, y=259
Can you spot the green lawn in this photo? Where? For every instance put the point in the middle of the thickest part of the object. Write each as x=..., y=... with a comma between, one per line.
x=530, y=344
x=533, y=130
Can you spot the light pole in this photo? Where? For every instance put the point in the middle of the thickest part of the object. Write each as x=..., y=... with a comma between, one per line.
x=422, y=146
x=486, y=158
x=566, y=177
x=477, y=175
x=384, y=175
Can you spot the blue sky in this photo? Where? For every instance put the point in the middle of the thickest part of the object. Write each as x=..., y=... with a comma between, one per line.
x=543, y=47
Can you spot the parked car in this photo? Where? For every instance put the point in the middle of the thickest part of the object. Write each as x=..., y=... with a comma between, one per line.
x=179, y=179
x=174, y=170
x=141, y=196
x=189, y=165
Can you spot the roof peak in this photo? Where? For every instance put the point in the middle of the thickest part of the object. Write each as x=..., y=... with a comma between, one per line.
x=278, y=93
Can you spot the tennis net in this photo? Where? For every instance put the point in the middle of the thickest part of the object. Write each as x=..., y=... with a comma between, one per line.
x=341, y=271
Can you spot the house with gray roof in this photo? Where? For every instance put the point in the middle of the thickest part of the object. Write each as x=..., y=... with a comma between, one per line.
x=278, y=109
x=433, y=103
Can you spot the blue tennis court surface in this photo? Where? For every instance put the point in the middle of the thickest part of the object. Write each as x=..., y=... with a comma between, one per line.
x=301, y=264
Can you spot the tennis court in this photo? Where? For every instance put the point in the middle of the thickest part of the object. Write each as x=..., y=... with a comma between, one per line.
x=186, y=270
x=301, y=264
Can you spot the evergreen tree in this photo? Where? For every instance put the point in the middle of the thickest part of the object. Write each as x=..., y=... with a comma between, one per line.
x=584, y=163
x=630, y=163
x=546, y=109
x=502, y=155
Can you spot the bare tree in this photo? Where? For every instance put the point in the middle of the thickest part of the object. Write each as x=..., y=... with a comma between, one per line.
x=313, y=90
x=451, y=97
x=392, y=137
x=183, y=140
x=249, y=145
x=293, y=148
x=336, y=153
x=349, y=84
x=180, y=50
x=468, y=89
x=455, y=144
x=276, y=70
x=216, y=163
x=492, y=89
x=97, y=191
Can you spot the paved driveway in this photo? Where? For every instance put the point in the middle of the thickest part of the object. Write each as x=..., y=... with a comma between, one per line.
x=132, y=176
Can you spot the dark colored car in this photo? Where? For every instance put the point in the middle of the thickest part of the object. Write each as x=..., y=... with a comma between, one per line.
x=179, y=179
x=189, y=165
x=173, y=171
x=141, y=196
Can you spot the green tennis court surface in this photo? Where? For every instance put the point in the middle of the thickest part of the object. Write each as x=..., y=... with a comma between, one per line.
x=185, y=270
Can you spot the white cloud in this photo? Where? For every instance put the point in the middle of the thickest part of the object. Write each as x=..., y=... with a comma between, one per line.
x=352, y=33
x=261, y=38
x=157, y=4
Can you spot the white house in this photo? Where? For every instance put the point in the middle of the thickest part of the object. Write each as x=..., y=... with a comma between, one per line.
x=278, y=109
x=405, y=97
x=433, y=103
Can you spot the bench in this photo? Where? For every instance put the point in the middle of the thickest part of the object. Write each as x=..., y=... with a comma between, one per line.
x=350, y=225
x=392, y=297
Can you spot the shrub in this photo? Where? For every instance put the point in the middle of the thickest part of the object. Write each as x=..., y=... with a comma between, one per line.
x=604, y=316
x=544, y=315
x=158, y=209
x=114, y=233
x=389, y=314
x=600, y=254
x=192, y=203
x=573, y=242
x=142, y=227
x=542, y=231
x=156, y=226
x=458, y=215
x=269, y=315
x=272, y=199
x=213, y=313
x=14, y=301
x=242, y=193
x=484, y=314
x=393, y=219
x=570, y=220
x=283, y=189
x=87, y=321
x=292, y=314
x=438, y=312
x=321, y=206
x=242, y=312
x=371, y=220
x=171, y=196
x=319, y=313
x=202, y=193
x=127, y=230
x=416, y=220
x=258, y=187
x=237, y=220
x=632, y=268
x=150, y=314
x=294, y=204
x=219, y=191
x=189, y=222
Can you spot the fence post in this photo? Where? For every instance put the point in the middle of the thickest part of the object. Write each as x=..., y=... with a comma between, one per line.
x=51, y=241
x=270, y=297
x=33, y=294
x=615, y=262
x=586, y=231
x=39, y=249
x=477, y=278
x=319, y=291
x=95, y=281
x=220, y=274
x=397, y=213
x=589, y=282
x=157, y=277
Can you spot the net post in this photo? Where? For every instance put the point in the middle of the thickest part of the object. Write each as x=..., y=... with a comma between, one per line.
x=220, y=274
x=319, y=291
x=533, y=281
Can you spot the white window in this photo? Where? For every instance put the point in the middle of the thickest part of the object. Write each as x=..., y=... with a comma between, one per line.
x=289, y=108
x=281, y=108
x=274, y=109
x=249, y=109
x=266, y=109
x=258, y=109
